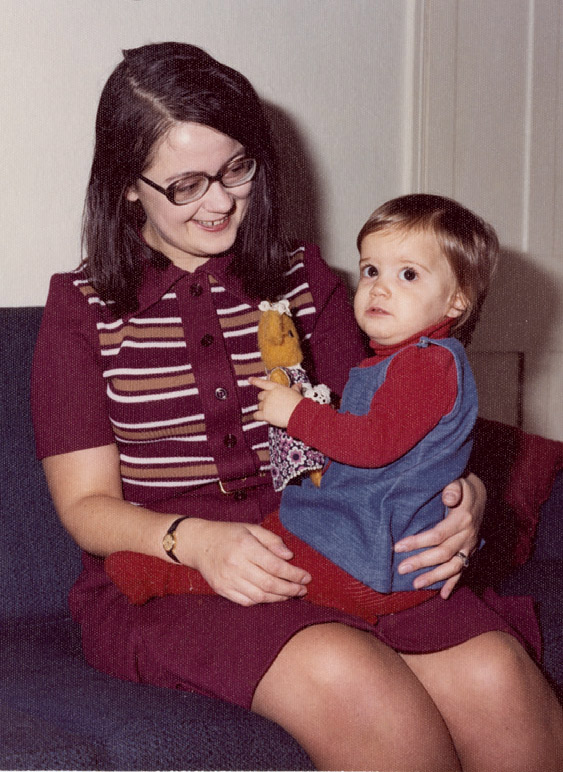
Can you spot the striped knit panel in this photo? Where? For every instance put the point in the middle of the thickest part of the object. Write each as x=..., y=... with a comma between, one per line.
x=154, y=403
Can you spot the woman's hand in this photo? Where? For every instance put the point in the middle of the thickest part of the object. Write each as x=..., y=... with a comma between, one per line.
x=458, y=532
x=276, y=403
x=242, y=562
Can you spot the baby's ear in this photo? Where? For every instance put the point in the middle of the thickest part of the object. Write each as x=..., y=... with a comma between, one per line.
x=458, y=305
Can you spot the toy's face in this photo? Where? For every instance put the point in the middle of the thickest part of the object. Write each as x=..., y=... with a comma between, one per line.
x=278, y=340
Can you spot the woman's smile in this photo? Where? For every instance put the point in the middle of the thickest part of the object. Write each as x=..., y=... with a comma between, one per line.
x=213, y=225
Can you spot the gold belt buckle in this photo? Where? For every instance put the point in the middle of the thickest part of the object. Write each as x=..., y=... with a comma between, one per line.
x=229, y=493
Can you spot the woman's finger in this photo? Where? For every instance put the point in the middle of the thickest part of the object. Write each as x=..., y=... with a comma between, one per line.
x=444, y=537
x=457, y=526
x=249, y=561
x=449, y=586
x=449, y=572
x=254, y=585
x=452, y=494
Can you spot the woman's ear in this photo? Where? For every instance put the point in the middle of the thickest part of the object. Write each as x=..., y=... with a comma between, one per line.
x=458, y=305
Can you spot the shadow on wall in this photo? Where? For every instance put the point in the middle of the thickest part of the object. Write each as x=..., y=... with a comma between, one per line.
x=519, y=311
x=301, y=196
x=516, y=322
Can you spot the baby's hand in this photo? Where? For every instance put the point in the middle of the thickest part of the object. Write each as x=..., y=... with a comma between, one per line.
x=276, y=403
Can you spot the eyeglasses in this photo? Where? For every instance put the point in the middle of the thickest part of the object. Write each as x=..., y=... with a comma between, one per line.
x=194, y=186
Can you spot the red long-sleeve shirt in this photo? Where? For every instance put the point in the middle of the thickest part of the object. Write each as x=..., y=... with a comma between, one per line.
x=420, y=388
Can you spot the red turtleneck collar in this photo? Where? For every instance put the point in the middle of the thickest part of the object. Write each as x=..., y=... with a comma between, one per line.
x=439, y=330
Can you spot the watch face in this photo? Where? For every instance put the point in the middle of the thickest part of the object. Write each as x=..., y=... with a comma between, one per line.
x=168, y=542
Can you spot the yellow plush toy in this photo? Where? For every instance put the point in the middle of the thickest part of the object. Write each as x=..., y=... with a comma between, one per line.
x=282, y=355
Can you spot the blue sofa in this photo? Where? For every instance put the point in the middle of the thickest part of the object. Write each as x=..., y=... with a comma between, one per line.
x=58, y=713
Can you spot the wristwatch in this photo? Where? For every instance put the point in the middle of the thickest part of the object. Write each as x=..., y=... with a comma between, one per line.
x=169, y=538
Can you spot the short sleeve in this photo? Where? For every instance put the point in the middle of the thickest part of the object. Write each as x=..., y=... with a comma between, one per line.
x=68, y=398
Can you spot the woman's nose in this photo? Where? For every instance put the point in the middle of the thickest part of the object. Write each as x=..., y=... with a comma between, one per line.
x=217, y=198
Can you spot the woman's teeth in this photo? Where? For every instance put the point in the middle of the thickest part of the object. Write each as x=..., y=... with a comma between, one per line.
x=213, y=223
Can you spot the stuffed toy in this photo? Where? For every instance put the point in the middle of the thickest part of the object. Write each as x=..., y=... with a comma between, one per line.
x=140, y=576
x=281, y=353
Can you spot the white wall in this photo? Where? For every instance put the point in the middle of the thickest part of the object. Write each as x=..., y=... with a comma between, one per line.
x=335, y=73
x=492, y=136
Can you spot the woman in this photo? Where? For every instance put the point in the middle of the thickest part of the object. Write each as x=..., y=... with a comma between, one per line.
x=143, y=417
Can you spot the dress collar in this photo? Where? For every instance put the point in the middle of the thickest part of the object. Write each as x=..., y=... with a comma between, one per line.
x=160, y=275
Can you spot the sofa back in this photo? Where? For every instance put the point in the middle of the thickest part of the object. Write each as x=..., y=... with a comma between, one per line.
x=38, y=560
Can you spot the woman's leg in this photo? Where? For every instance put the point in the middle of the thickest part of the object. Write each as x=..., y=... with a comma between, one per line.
x=499, y=709
x=352, y=703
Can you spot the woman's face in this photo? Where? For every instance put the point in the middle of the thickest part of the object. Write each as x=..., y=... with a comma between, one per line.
x=190, y=234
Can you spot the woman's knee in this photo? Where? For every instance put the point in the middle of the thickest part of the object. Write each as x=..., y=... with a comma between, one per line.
x=341, y=690
x=331, y=659
x=500, y=668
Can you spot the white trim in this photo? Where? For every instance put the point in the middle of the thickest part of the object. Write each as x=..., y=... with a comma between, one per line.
x=151, y=397
x=159, y=424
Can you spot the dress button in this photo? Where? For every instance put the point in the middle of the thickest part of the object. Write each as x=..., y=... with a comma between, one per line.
x=221, y=393
x=207, y=340
x=240, y=495
x=229, y=440
x=196, y=290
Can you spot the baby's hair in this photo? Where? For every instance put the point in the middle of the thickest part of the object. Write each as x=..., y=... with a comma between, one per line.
x=469, y=244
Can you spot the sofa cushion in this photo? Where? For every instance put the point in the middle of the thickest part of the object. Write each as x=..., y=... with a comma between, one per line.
x=543, y=580
x=549, y=536
x=128, y=726
x=27, y=742
x=39, y=560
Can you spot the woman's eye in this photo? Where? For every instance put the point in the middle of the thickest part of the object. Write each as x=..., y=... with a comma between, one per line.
x=188, y=185
x=408, y=274
x=369, y=272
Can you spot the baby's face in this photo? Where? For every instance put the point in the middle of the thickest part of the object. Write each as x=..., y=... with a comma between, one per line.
x=406, y=285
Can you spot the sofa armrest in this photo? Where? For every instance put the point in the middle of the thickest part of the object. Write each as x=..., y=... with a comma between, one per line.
x=521, y=472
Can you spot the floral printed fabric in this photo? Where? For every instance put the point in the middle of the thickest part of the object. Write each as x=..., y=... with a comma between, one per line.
x=290, y=458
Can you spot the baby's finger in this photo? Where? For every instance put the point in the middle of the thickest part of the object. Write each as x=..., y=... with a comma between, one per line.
x=262, y=383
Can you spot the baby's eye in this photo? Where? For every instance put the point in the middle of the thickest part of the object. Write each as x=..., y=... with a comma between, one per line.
x=369, y=272
x=408, y=274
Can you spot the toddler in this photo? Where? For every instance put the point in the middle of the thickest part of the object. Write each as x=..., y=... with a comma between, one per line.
x=404, y=425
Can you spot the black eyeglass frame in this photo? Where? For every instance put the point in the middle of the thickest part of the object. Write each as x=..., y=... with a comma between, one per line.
x=170, y=191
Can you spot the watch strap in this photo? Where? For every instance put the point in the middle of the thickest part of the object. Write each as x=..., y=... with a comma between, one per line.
x=169, y=538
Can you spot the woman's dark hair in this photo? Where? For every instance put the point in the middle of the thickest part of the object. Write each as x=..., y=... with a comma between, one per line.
x=469, y=244
x=152, y=89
